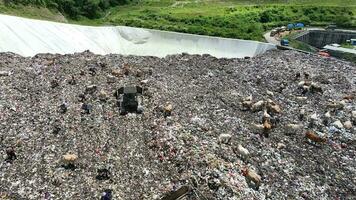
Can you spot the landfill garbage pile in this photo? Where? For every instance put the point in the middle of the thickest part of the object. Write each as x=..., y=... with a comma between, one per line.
x=277, y=126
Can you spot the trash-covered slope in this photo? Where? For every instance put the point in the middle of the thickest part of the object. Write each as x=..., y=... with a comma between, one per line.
x=237, y=128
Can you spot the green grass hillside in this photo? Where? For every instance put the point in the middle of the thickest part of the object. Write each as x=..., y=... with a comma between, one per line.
x=235, y=19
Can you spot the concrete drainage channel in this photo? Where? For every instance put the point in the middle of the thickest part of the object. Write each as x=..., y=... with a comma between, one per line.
x=29, y=37
x=321, y=38
x=324, y=39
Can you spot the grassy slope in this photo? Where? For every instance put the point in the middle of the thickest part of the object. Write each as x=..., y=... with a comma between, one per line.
x=236, y=19
x=348, y=45
x=32, y=12
x=227, y=19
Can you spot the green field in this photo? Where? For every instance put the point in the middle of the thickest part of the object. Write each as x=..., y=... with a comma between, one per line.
x=348, y=45
x=235, y=19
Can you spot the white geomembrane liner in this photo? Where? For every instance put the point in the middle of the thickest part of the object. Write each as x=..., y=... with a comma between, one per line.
x=29, y=37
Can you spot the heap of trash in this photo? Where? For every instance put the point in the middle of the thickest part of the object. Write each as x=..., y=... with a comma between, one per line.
x=83, y=126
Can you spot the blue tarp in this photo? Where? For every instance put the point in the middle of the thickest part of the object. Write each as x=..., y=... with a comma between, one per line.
x=299, y=25
x=290, y=26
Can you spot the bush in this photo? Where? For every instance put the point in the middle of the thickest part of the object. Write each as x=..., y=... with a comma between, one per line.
x=305, y=20
x=343, y=21
x=73, y=8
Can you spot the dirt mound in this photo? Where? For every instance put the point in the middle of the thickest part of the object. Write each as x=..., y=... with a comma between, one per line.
x=237, y=130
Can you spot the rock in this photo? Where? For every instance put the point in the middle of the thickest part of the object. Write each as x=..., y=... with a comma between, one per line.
x=349, y=97
x=110, y=79
x=140, y=109
x=248, y=98
x=69, y=161
x=257, y=127
x=306, y=76
x=315, y=87
x=297, y=76
x=314, y=137
x=82, y=72
x=273, y=107
x=293, y=128
x=72, y=80
x=103, y=95
x=258, y=106
x=70, y=158
x=301, y=99
x=90, y=89
x=266, y=115
x=337, y=104
x=327, y=115
x=92, y=70
x=301, y=83
x=107, y=195
x=252, y=176
x=267, y=125
x=314, y=118
x=214, y=183
x=247, y=102
x=116, y=72
x=81, y=97
x=126, y=69
x=348, y=124
x=301, y=114
x=87, y=108
x=338, y=124
x=305, y=89
x=353, y=114
x=225, y=138
x=10, y=155
x=242, y=151
x=56, y=130
x=144, y=81
x=281, y=146
x=270, y=93
x=139, y=73
x=54, y=83
x=103, y=174
x=47, y=195
x=167, y=110
x=4, y=73
x=326, y=118
x=309, y=86
x=63, y=108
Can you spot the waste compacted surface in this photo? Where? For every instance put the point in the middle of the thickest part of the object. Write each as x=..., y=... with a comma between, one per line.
x=29, y=37
x=276, y=126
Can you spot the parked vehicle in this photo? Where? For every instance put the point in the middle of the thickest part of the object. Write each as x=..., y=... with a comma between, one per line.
x=285, y=42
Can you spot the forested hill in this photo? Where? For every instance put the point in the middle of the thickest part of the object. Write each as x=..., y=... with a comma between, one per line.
x=72, y=8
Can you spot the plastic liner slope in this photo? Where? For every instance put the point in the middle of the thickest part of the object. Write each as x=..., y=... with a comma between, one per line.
x=29, y=37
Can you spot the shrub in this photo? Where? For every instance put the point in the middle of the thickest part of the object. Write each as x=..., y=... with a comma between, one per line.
x=73, y=8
